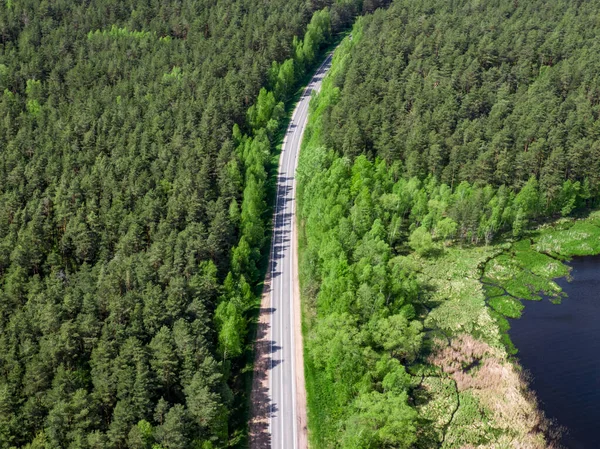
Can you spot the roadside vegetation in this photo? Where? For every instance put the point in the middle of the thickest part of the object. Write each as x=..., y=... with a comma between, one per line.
x=443, y=133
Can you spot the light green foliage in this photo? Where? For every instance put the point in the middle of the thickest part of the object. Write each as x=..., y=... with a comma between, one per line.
x=420, y=240
x=232, y=327
x=580, y=239
x=317, y=33
x=399, y=335
x=446, y=228
x=33, y=91
x=266, y=109
x=381, y=420
x=569, y=195
x=507, y=306
x=34, y=108
x=173, y=75
x=528, y=199
x=519, y=224
x=365, y=329
x=116, y=32
x=282, y=78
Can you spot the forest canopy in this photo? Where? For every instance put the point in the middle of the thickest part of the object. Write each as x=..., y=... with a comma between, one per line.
x=486, y=92
x=132, y=218
x=441, y=122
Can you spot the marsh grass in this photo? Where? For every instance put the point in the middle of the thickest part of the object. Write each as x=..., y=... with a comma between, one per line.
x=494, y=399
x=474, y=394
x=528, y=268
x=582, y=238
x=524, y=273
x=507, y=306
x=470, y=393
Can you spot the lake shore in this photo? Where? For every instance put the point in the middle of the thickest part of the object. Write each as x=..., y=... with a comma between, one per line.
x=471, y=386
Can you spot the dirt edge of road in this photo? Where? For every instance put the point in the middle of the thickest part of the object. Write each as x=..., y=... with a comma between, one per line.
x=260, y=408
x=260, y=437
x=259, y=432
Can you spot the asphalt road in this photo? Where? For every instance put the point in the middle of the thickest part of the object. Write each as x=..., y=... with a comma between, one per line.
x=283, y=381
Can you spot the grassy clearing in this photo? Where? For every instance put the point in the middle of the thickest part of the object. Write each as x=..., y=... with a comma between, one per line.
x=507, y=306
x=582, y=238
x=524, y=273
x=528, y=268
x=476, y=396
x=451, y=289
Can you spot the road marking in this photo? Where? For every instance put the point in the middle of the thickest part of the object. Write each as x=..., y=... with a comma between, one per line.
x=299, y=120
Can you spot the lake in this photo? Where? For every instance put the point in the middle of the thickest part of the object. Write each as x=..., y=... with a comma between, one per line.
x=559, y=344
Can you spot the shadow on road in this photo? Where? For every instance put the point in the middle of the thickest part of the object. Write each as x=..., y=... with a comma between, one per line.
x=266, y=350
x=282, y=225
x=263, y=409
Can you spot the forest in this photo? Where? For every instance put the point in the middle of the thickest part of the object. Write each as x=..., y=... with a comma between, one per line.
x=441, y=124
x=489, y=93
x=135, y=147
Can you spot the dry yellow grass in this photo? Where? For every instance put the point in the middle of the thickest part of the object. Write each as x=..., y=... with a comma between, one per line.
x=485, y=373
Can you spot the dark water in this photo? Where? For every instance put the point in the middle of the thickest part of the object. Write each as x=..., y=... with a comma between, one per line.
x=560, y=346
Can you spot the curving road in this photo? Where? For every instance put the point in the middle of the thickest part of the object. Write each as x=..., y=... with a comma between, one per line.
x=287, y=410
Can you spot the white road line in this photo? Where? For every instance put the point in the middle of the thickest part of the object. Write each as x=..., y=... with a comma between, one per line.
x=290, y=302
x=291, y=305
x=298, y=120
